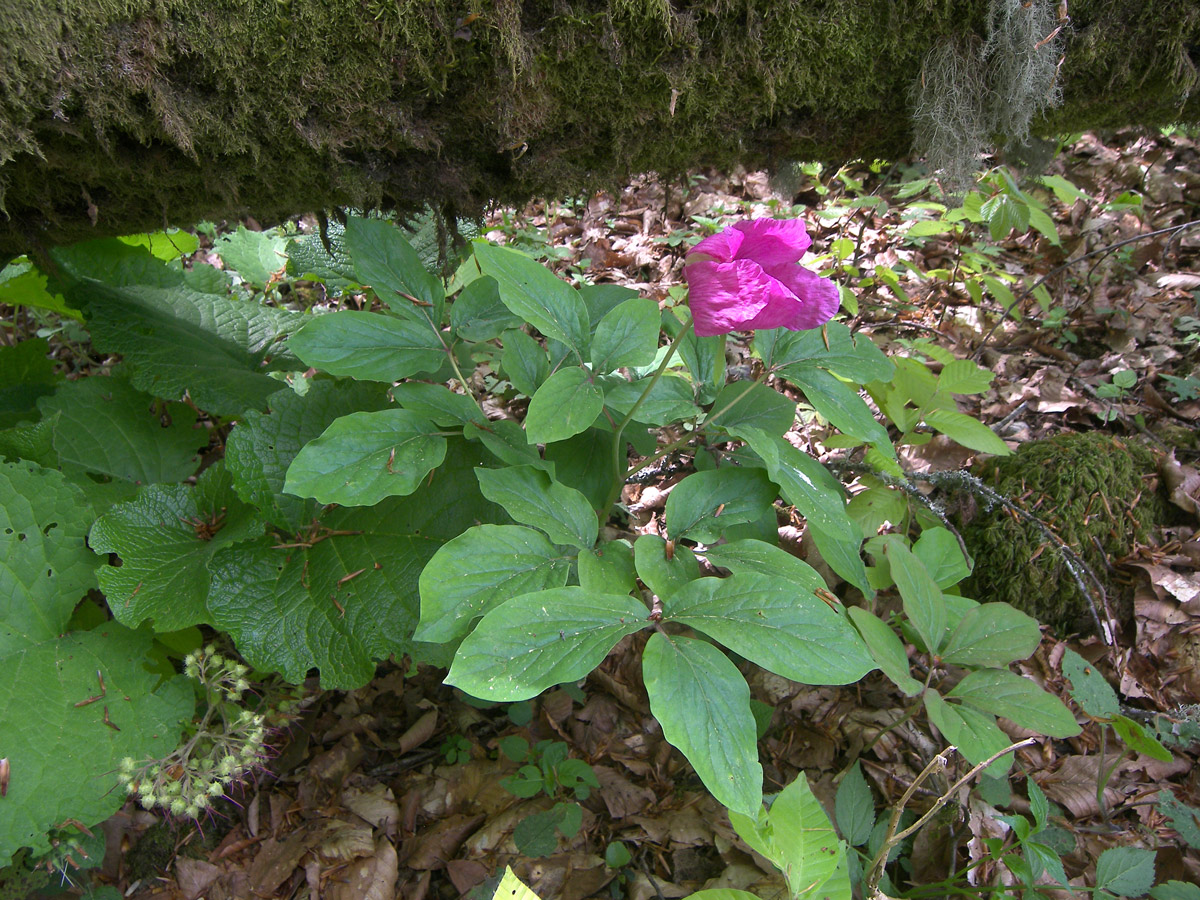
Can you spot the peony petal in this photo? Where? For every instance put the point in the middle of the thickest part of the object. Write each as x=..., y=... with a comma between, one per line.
x=799, y=300
x=724, y=297
x=772, y=242
x=721, y=247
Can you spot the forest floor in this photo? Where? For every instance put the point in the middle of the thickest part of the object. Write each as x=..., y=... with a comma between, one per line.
x=409, y=764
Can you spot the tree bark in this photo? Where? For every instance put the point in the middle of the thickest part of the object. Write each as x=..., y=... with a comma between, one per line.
x=119, y=116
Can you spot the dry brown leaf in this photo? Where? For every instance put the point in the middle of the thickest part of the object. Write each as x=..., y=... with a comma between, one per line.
x=439, y=842
x=194, y=876
x=1076, y=782
x=371, y=878
x=375, y=805
x=621, y=796
x=277, y=860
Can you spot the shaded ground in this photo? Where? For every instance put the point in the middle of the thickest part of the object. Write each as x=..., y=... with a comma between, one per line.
x=394, y=790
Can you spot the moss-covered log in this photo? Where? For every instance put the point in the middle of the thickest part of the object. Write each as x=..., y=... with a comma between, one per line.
x=121, y=115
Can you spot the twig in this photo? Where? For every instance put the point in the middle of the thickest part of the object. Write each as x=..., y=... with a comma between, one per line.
x=892, y=837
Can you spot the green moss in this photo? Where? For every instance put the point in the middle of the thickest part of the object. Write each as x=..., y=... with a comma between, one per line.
x=1092, y=490
x=132, y=112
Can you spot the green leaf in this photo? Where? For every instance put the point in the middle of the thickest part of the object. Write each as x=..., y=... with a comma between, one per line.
x=479, y=315
x=803, y=842
x=1089, y=688
x=532, y=498
x=670, y=400
x=107, y=427
x=755, y=405
x=368, y=346
x=1004, y=693
x=505, y=439
x=47, y=736
x=705, y=504
x=1042, y=858
x=975, y=734
x=608, y=568
x=1171, y=890
x=537, y=295
x=1039, y=806
x=854, y=807
x=566, y=405
x=829, y=347
x=1004, y=213
x=1126, y=871
x=309, y=259
x=783, y=627
x=962, y=376
x=26, y=373
x=664, y=571
x=942, y=556
x=384, y=259
x=255, y=255
x=886, y=648
x=922, y=597
x=704, y=358
x=438, y=403
x=541, y=639
x=45, y=563
x=165, y=539
x=343, y=593
x=965, y=430
x=992, y=634
x=536, y=835
x=751, y=556
x=178, y=339
x=804, y=482
x=722, y=894
x=366, y=456
x=23, y=284
x=844, y=556
x=626, y=336
x=524, y=362
x=843, y=407
x=261, y=447
x=703, y=705
x=1139, y=740
x=1183, y=818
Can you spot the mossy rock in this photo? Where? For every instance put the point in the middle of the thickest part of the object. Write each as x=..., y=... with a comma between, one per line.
x=1094, y=491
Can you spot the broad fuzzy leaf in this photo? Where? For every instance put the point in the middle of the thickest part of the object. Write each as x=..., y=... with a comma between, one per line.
x=345, y=594
x=176, y=338
x=626, y=336
x=55, y=748
x=921, y=596
x=26, y=373
x=703, y=705
x=538, y=640
x=45, y=564
x=783, y=627
x=165, y=539
x=105, y=426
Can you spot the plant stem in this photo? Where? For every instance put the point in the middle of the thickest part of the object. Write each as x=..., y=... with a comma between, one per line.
x=676, y=444
x=618, y=479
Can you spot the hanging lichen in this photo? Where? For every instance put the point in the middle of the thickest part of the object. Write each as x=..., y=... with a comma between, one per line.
x=970, y=92
x=1095, y=492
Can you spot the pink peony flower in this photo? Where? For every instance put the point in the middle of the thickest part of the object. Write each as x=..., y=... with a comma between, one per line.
x=748, y=277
